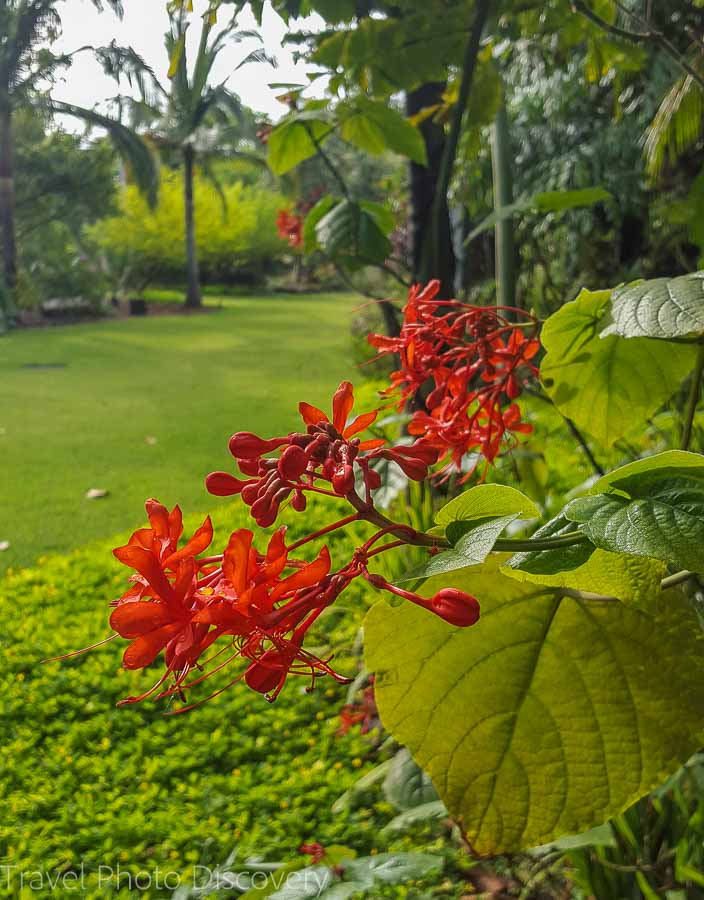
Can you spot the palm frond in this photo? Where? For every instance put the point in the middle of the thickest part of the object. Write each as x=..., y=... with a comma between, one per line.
x=128, y=144
x=258, y=55
x=677, y=125
x=124, y=62
x=115, y=6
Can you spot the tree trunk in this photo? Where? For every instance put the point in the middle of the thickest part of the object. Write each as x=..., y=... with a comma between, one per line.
x=193, y=295
x=7, y=214
x=432, y=252
x=501, y=161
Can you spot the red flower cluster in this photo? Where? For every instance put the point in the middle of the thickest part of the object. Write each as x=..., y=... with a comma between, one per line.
x=475, y=359
x=328, y=451
x=261, y=604
x=290, y=227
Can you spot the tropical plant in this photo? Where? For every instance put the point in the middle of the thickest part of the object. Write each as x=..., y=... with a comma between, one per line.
x=192, y=120
x=143, y=246
x=27, y=64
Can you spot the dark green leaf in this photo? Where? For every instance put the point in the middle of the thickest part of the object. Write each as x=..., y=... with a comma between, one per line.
x=660, y=308
x=406, y=784
x=352, y=236
x=662, y=518
x=321, y=208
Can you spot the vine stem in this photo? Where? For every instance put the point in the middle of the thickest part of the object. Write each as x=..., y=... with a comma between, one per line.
x=693, y=398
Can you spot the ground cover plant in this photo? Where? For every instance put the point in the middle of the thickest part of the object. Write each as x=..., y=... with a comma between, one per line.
x=466, y=659
x=87, y=423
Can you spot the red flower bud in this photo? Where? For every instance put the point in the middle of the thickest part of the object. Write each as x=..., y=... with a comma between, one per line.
x=245, y=445
x=248, y=466
x=292, y=463
x=455, y=607
x=298, y=501
x=222, y=484
x=414, y=468
x=373, y=479
x=343, y=480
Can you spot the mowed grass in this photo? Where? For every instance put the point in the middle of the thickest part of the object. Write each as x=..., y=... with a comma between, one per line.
x=144, y=407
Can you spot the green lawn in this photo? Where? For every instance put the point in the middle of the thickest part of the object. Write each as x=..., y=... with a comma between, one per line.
x=144, y=407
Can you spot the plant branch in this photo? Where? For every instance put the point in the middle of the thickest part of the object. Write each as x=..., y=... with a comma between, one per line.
x=650, y=35
x=693, y=398
x=676, y=579
x=329, y=164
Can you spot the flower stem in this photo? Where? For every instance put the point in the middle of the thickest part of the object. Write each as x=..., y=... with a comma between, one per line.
x=355, y=517
x=693, y=398
x=570, y=539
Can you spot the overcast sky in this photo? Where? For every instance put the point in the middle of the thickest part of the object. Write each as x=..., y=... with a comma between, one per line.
x=143, y=28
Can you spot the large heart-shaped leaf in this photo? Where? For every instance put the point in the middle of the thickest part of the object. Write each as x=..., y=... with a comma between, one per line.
x=663, y=517
x=607, y=385
x=548, y=716
x=660, y=308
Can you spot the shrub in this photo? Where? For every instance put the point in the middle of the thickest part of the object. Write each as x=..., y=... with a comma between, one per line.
x=236, y=239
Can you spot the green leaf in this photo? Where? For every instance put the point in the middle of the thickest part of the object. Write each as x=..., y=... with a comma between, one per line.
x=376, y=127
x=473, y=540
x=351, y=235
x=548, y=716
x=290, y=143
x=549, y=201
x=382, y=215
x=393, y=868
x=669, y=459
x=607, y=385
x=660, y=308
x=363, y=133
x=582, y=567
x=487, y=500
x=406, y=784
x=409, y=817
x=321, y=208
x=662, y=518
x=559, y=201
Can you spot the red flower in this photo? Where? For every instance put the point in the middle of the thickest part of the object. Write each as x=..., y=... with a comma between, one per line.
x=476, y=360
x=328, y=451
x=364, y=713
x=290, y=227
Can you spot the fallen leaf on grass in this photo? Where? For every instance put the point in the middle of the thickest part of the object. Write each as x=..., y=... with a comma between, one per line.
x=96, y=494
x=150, y=440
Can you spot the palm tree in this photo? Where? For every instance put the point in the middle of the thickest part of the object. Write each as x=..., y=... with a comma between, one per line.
x=192, y=120
x=27, y=64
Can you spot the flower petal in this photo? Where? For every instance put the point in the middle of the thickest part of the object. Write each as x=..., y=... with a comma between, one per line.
x=342, y=403
x=235, y=563
x=145, y=563
x=307, y=576
x=360, y=423
x=145, y=649
x=136, y=618
x=200, y=541
x=158, y=516
x=311, y=414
